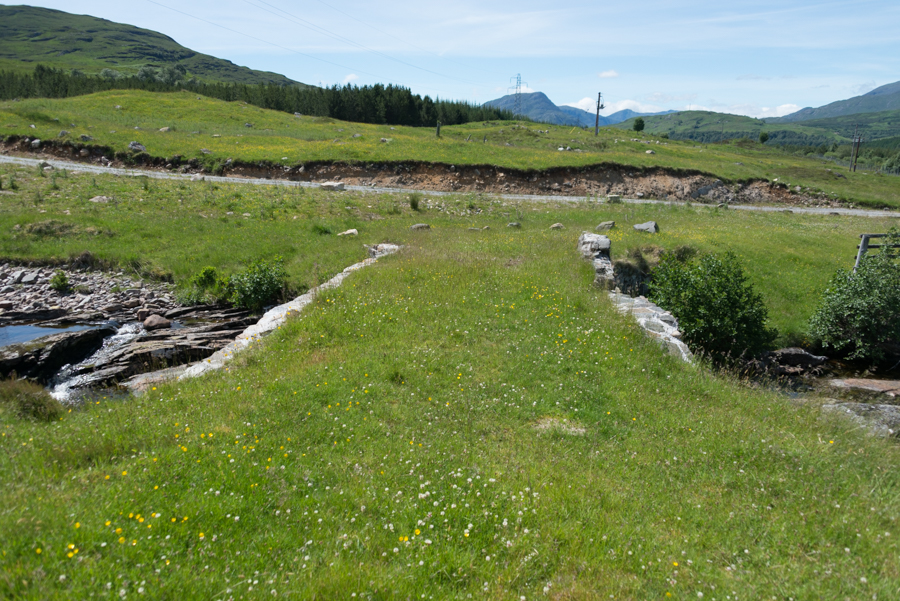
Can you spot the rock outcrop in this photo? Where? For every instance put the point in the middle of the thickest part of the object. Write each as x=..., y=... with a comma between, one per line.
x=41, y=358
x=596, y=248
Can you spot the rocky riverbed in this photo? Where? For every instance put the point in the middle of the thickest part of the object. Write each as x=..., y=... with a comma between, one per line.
x=103, y=329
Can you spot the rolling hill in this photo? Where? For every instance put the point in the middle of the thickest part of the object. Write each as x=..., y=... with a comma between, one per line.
x=885, y=98
x=538, y=107
x=30, y=35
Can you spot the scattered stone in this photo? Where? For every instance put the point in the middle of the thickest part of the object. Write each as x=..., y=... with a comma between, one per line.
x=606, y=225
x=84, y=152
x=63, y=134
x=100, y=199
x=879, y=420
x=86, y=138
x=332, y=186
x=132, y=303
x=651, y=152
x=514, y=224
x=200, y=178
x=614, y=198
x=650, y=227
x=869, y=388
x=557, y=226
x=29, y=279
x=349, y=233
x=657, y=322
x=420, y=226
x=6, y=305
x=205, y=151
x=380, y=250
x=35, y=143
x=156, y=322
x=136, y=147
x=164, y=129
x=142, y=314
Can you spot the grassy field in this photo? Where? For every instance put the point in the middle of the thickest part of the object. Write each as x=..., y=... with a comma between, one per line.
x=469, y=418
x=280, y=138
x=174, y=228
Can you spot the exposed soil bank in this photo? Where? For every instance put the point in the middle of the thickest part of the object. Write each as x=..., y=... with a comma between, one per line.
x=593, y=180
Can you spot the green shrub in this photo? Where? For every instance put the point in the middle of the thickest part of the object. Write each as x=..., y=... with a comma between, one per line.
x=715, y=305
x=414, y=199
x=259, y=285
x=207, y=286
x=59, y=281
x=860, y=311
x=27, y=400
x=322, y=230
x=763, y=137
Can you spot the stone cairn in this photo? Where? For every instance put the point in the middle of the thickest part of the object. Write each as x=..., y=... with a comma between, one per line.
x=658, y=323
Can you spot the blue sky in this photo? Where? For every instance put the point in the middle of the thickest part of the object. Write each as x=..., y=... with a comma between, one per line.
x=760, y=58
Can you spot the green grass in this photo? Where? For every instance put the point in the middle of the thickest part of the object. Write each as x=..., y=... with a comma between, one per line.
x=385, y=444
x=31, y=35
x=275, y=135
x=174, y=228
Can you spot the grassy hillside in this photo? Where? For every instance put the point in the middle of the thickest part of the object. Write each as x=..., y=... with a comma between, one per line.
x=872, y=126
x=468, y=418
x=884, y=98
x=219, y=127
x=31, y=35
x=707, y=126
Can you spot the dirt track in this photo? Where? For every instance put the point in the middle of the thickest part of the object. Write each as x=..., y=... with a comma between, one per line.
x=563, y=183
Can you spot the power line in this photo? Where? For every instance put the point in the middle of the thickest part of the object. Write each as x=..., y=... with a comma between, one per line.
x=382, y=32
x=264, y=41
x=312, y=26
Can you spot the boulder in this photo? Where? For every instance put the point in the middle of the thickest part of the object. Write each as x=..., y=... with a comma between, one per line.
x=29, y=278
x=796, y=357
x=591, y=245
x=86, y=138
x=420, y=226
x=100, y=199
x=164, y=129
x=156, y=322
x=879, y=420
x=651, y=152
x=868, y=387
x=557, y=226
x=197, y=178
x=650, y=227
x=142, y=314
x=332, y=185
x=606, y=225
x=35, y=143
x=63, y=134
x=514, y=224
x=136, y=147
x=614, y=199
x=349, y=233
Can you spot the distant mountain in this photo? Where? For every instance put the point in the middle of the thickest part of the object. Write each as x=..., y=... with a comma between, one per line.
x=538, y=107
x=885, y=98
x=30, y=35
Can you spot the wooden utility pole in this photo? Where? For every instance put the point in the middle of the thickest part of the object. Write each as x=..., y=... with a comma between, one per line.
x=599, y=106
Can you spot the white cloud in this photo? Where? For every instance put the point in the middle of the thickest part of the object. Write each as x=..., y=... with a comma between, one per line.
x=590, y=105
x=607, y=74
x=864, y=87
x=350, y=77
x=664, y=98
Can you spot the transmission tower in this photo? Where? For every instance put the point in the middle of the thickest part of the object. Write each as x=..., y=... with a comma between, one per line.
x=518, y=92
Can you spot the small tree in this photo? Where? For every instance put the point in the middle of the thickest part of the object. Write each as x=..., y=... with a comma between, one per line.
x=763, y=137
x=715, y=305
x=860, y=310
x=639, y=124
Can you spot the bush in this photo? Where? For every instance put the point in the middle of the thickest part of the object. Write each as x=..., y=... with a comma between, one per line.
x=27, y=400
x=59, y=281
x=639, y=124
x=414, y=200
x=763, y=137
x=716, y=307
x=860, y=311
x=258, y=285
x=207, y=286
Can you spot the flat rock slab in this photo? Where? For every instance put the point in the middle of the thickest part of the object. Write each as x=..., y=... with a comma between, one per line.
x=879, y=420
x=889, y=388
x=650, y=227
x=332, y=186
